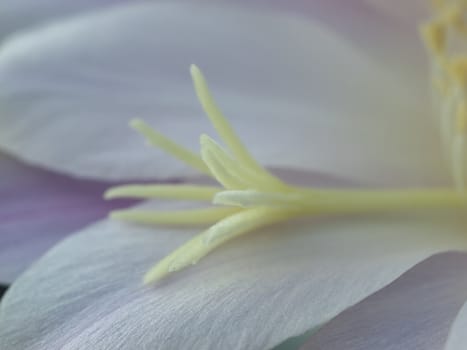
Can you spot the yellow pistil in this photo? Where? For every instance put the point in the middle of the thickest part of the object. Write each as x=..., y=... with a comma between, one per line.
x=444, y=36
x=248, y=196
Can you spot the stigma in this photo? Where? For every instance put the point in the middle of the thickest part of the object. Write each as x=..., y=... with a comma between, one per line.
x=445, y=37
x=247, y=196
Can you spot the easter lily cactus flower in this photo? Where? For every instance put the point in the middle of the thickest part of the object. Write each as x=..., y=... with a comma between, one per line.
x=316, y=105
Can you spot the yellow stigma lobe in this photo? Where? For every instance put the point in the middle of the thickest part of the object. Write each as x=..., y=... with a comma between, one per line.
x=248, y=196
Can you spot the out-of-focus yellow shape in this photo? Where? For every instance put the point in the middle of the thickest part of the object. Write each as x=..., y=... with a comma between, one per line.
x=445, y=36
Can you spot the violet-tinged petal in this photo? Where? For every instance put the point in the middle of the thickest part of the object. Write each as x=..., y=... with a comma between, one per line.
x=277, y=71
x=393, y=39
x=410, y=11
x=18, y=15
x=253, y=293
x=414, y=312
x=38, y=208
x=458, y=335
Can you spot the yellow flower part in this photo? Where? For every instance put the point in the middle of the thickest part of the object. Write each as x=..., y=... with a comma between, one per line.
x=444, y=36
x=248, y=196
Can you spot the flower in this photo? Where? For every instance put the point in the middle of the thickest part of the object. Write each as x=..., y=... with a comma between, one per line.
x=86, y=292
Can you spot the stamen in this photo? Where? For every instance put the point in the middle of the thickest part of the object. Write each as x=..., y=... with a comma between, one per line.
x=434, y=36
x=461, y=120
x=444, y=37
x=448, y=108
x=459, y=147
x=182, y=217
x=458, y=163
x=188, y=192
x=158, y=140
x=438, y=4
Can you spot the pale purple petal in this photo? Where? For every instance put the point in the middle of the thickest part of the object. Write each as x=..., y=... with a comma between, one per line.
x=252, y=293
x=18, y=15
x=393, y=38
x=39, y=208
x=385, y=30
x=458, y=335
x=414, y=312
x=320, y=102
x=409, y=11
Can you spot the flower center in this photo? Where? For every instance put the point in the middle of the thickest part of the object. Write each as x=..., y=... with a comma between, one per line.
x=248, y=196
x=444, y=36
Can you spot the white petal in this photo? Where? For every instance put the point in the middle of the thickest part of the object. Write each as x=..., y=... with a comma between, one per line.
x=458, y=335
x=253, y=293
x=17, y=15
x=414, y=312
x=318, y=102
